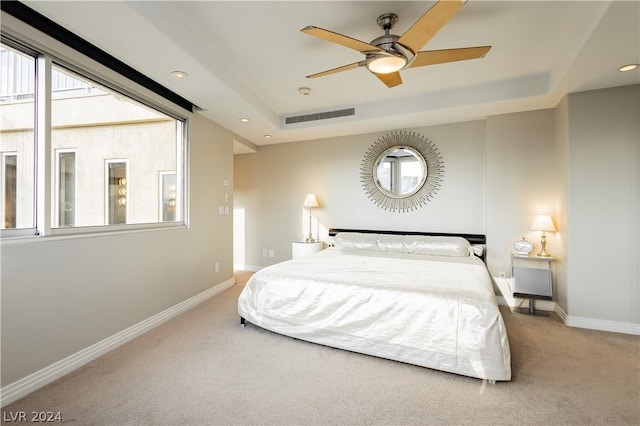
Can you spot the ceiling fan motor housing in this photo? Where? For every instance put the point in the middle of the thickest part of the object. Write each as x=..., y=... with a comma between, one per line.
x=387, y=21
x=388, y=43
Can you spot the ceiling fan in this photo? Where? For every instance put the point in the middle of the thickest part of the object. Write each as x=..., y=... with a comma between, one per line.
x=386, y=55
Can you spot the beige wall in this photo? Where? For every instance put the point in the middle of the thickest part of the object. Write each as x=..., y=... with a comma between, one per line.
x=61, y=295
x=271, y=185
x=578, y=162
x=520, y=183
x=498, y=176
x=66, y=294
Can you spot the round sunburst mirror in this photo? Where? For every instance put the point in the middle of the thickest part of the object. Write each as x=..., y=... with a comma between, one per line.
x=401, y=171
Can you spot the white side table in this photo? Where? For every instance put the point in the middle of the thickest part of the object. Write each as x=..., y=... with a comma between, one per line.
x=531, y=277
x=303, y=248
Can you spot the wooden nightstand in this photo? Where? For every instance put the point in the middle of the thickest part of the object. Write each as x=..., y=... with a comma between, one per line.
x=531, y=278
x=303, y=248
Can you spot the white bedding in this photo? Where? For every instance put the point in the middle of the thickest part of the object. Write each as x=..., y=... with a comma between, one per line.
x=434, y=311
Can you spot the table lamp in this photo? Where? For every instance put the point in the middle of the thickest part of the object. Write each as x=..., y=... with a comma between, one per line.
x=543, y=223
x=310, y=201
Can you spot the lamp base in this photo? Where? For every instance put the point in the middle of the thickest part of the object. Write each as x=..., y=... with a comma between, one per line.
x=310, y=239
x=543, y=246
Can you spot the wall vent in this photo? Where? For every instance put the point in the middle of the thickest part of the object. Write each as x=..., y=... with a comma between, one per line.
x=320, y=116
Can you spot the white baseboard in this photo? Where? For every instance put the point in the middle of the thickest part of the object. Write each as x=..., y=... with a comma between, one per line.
x=603, y=325
x=40, y=378
x=506, y=299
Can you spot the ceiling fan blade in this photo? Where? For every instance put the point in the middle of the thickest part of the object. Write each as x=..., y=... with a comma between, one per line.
x=343, y=40
x=391, y=80
x=429, y=24
x=339, y=69
x=432, y=57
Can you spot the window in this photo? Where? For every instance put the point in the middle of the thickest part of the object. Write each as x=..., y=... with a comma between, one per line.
x=385, y=171
x=106, y=127
x=9, y=162
x=168, y=193
x=116, y=192
x=399, y=174
x=411, y=173
x=107, y=151
x=17, y=139
x=66, y=194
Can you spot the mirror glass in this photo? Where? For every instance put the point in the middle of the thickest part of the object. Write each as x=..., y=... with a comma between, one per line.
x=400, y=172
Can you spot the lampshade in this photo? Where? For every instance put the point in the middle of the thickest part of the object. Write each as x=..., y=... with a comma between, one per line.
x=310, y=201
x=543, y=222
x=386, y=64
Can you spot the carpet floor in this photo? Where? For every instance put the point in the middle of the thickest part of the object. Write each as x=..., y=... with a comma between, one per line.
x=202, y=368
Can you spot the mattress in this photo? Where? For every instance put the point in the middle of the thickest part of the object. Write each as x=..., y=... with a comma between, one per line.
x=438, y=312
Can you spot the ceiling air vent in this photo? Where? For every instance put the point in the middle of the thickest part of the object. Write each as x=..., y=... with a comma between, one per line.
x=320, y=116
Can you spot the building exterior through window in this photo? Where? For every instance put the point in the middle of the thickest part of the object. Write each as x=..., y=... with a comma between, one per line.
x=114, y=160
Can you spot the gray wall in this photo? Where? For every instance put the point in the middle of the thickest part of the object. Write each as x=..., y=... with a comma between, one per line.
x=603, y=201
x=561, y=155
x=61, y=295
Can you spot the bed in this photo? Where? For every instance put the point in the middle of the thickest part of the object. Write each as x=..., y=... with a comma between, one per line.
x=419, y=298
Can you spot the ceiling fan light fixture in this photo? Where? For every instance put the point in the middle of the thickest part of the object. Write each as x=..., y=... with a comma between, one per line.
x=386, y=64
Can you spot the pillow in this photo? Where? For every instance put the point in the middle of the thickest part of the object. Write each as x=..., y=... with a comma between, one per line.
x=356, y=240
x=440, y=246
x=412, y=244
x=393, y=243
x=478, y=249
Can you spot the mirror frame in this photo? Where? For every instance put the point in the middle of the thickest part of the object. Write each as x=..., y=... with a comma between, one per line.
x=423, y=147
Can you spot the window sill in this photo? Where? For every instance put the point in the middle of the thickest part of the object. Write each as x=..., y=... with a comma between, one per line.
x=91, y=232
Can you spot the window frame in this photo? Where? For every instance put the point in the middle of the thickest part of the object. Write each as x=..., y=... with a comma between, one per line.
x=3, y=179
x=45, y=224
x=56, y=194
x=161, y=175
x=107, y=189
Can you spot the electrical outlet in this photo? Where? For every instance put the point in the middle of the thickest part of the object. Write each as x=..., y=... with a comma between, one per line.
x=264, y=252
x=272, y=253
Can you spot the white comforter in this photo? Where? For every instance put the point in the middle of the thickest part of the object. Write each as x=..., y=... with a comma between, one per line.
x=432, y=311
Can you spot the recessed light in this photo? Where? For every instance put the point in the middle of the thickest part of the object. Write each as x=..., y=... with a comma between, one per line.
x=267, y=136
x=629, y=67
x=244, y=119
x=179, y=74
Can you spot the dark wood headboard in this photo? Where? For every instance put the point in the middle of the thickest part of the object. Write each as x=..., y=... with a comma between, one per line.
x=472, y=238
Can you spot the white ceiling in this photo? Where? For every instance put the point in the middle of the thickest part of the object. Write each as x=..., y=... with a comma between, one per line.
x=249, y=58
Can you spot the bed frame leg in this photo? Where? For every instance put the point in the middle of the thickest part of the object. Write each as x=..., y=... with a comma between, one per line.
x=243, y=322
